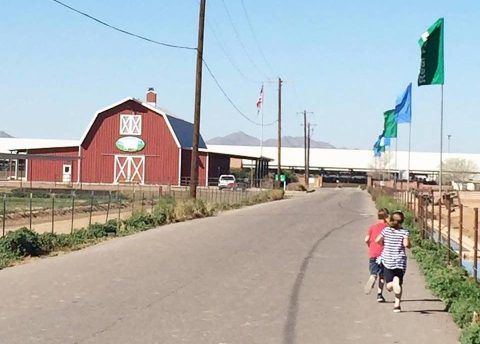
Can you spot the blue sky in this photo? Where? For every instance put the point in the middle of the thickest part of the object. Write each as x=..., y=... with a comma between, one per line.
x=346, y=61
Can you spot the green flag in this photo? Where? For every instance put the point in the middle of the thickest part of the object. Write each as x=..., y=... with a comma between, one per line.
x=390, y=124
x=431, y=46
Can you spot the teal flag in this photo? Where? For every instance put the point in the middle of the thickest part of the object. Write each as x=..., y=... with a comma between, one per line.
x=431, y=46
x=390, y=124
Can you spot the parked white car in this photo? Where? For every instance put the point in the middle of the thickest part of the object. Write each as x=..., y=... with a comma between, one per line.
x=227, y=181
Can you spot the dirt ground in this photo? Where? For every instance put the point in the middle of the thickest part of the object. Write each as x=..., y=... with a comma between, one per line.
x=470, y=201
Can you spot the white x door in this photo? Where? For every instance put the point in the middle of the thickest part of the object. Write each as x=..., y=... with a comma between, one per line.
x=129, y=169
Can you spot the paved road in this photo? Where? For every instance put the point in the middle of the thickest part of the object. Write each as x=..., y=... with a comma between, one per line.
x=285, y=272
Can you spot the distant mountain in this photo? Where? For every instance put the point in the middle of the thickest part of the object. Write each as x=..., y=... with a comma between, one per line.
x=298, y=142
x=242, y=139
x=4, y=134
x=235, y=139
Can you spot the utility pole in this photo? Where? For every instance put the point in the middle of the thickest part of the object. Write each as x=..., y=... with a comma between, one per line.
x=307, y=168
x=198, y=102
x=304, y=112
x=279, y=169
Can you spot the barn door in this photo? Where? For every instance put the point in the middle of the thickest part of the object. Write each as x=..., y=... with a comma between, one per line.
x=129, y=169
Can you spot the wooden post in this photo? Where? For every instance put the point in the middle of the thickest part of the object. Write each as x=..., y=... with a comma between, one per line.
x=433, y=215
x=460, y=235
x=475, y=247
x=198, y=100
x=440, y=219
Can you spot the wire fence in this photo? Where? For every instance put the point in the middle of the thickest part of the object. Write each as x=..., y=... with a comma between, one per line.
x=444, y=219
x=63, y=211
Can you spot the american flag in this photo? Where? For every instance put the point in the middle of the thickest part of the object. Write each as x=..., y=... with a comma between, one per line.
x=260, y=101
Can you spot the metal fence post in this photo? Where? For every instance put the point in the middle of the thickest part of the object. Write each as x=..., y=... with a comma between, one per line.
x=108, y=206
x=4, y=214
x=143, y=200
x=460, y=235
x=53, y=213
x=73, y=211
x=152, y=197
x=30, y=211
x=475, y=247
x=449, y=227
x=119, y=199
x=91, y=208
x=133, y=201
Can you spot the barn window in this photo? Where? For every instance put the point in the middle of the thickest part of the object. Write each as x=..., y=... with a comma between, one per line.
x=130, y=125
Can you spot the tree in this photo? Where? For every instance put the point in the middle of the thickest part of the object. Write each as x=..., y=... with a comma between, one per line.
x=459, y=170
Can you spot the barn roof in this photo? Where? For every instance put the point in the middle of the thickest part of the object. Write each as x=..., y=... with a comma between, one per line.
x=181, y=130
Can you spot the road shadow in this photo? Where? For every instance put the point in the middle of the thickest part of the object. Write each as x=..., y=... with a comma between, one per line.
x=422, y=300
x=289, y=329
x=426, y=311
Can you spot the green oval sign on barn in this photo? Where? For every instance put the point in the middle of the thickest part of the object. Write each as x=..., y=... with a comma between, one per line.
x=130, y=144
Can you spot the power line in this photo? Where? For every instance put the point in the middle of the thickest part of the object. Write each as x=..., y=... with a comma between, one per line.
x=171, y=46
x=228, y=56
x=122, y=30
x=230, y=99
x=255, y=37
x=237, y=34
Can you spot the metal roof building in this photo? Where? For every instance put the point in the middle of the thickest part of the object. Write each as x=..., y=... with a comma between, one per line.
x=348, y=159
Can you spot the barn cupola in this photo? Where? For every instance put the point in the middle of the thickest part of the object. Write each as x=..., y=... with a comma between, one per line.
x=151, y=97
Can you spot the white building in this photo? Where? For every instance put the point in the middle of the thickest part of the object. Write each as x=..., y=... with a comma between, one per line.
x=349, y=159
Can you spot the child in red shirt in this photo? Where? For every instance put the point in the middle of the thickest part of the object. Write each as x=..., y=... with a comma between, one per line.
x=374, y=251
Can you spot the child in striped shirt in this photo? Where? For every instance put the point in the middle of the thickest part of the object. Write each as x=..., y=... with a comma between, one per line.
x=395, y=240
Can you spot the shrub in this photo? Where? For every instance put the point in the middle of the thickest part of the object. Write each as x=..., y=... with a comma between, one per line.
x=140, y=221
x=296, y=187
x=164, y=210
x=22, y=242
x=471, y=334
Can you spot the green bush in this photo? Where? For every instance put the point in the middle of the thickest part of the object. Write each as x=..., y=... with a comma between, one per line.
x=471, y=334
x=164, y=210
x=22, y=242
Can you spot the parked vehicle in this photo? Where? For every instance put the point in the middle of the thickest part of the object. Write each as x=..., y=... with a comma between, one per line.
x=227, y=181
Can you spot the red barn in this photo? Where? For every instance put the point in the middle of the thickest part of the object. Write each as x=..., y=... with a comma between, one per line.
x=130, y=142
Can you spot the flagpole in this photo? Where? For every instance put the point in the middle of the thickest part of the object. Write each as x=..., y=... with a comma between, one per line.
x=409, y=152
x=261, y=142
x=396, y=161
x=441, y=146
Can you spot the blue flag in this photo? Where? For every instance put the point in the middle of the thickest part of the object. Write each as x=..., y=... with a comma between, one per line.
x=378, y=147
x=403, y=106
x=386, y=141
